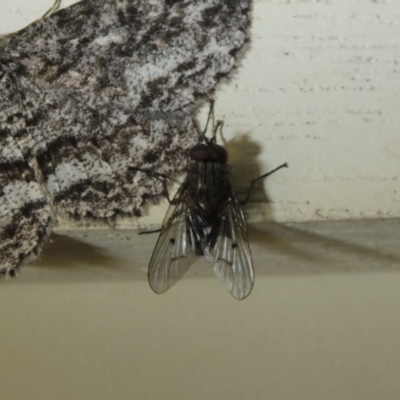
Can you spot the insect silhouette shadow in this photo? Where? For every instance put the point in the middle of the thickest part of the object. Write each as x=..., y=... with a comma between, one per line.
x=242, y=159
x=278, y=249
x=90, y=256
x=299, y=249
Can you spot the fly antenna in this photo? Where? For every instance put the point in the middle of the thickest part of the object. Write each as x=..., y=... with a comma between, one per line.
x=210, y=115
x=219, y=125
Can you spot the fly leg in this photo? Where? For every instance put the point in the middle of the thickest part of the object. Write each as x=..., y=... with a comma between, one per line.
x=148, y=232
x=210, y=116
x=254, y=181
x=163, y=178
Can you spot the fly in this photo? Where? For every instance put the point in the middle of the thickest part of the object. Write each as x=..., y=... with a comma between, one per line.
x=205, y=218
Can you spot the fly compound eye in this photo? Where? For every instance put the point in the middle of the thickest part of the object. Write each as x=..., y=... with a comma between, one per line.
x=218, y=153
x=208, y=152
x=199, y=152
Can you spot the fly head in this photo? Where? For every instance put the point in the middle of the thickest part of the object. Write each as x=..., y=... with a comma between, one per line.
x=208, y=152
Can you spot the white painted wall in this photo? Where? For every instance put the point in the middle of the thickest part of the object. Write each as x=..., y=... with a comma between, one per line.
x=318, y=88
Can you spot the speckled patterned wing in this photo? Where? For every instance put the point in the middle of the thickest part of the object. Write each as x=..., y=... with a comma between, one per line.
x=229, y=251
x=25, y=217
x=112, y=85
x=159, y=55
x=175, y=250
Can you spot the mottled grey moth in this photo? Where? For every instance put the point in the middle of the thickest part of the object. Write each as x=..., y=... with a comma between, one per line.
x=95, y=92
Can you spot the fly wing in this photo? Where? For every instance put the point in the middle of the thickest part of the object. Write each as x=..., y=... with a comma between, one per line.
x=229, y=251
x=175, y=251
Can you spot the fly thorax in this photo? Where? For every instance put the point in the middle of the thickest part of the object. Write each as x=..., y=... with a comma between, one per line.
x=209, y=186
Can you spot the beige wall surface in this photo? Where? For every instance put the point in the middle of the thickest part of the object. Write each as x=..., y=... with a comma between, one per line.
x=322, y=322
x=330, y=337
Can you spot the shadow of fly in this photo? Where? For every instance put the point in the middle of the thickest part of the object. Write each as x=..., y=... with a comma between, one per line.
x=205, y=218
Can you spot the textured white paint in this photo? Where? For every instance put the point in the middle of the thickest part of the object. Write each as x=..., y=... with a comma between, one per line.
x=16, y=14
x=319, y=88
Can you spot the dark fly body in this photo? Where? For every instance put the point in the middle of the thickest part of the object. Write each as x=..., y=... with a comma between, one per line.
x=205, y=218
